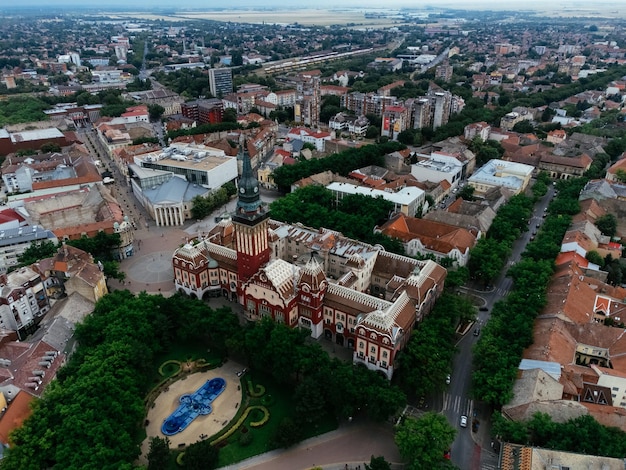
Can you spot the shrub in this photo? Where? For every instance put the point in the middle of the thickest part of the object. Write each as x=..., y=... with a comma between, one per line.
x=245, y=438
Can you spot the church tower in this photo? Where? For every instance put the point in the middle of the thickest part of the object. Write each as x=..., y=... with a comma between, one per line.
x=250, y=220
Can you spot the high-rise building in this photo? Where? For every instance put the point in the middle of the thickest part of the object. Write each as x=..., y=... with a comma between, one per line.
x=444, y=72
x=208, y=111
x=421, y=113
x=308, y=103
x=220, y=82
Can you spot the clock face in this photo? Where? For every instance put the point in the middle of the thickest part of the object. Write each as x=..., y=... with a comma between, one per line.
x=256, y=189
x=242, y=190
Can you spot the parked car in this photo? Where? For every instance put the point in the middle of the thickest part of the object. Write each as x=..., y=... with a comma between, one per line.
x=483, y=309
x=448, y=379
x=476, y=331
x=463, y=421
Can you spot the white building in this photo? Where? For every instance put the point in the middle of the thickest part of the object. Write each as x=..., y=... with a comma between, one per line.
x=615, y=381
x=349, y=123
x=310, y=136
x=107, y=76
x=198, y=164
x=22, y=300
x=167, y=198
x=409, y=200
x=438, y=167
x=14, y=241
x=501, y=174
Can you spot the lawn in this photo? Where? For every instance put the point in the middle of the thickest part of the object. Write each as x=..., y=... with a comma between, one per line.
x=190, y=351
x=278, y=399
x=280, y=405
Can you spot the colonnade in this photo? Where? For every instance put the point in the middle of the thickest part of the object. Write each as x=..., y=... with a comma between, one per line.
x=168, y=216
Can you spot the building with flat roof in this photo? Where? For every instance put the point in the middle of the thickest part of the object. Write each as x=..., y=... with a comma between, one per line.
x=409, y=200
x=197, y=164
x=14, y=241
x=437, y=167
x=500, y=173
x=220, y=82
x=203, y=111
x=13, y=141
x=23, y=300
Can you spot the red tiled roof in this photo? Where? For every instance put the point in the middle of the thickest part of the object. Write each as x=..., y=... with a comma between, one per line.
x=9, y=215
x=17, y=412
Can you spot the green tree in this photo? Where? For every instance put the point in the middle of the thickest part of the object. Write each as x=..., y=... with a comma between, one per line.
x=50, y=147
x=230, y=115
x=620, y=175
x=594, y=257
x=37, y=251
x=156, y=111
x=372, y=132
x=467, y=193
x=378, y=463
x=159, y=457
x=607, y=224
x=406, y=137
x=200, y=455
x=422, y=442
x=524, y=127
x=287, y=434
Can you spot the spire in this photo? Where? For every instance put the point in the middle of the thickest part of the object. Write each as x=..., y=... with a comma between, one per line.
x=249, y=204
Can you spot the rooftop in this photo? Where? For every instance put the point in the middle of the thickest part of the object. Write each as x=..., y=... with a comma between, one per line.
x=404, y=197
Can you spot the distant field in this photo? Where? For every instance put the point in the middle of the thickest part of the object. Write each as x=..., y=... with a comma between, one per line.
x=356, y=16
x=304, y=17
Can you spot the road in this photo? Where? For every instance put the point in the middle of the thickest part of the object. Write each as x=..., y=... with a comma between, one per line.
x=472, y=451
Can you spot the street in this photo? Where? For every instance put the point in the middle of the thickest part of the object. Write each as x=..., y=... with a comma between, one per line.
x=472, y=450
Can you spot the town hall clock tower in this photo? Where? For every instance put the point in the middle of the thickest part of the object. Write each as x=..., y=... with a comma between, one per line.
x=250, y=220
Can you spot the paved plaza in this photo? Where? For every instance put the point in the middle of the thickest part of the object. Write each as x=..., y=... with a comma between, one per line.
x=150, y=267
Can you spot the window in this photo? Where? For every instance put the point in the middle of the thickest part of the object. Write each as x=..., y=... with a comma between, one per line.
x=373, y=349
x=384, y=354
x=264, y=310
x=361, y=345
x=615, y=388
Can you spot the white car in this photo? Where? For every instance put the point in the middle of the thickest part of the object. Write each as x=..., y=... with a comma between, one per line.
x=448, y=378
x=463, y=421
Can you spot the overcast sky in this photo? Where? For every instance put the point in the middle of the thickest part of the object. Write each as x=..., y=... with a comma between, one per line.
x=470, y=4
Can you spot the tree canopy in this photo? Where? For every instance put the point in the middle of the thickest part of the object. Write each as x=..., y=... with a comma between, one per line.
x=355, y=215
x=423, y=441
x=91, y=416
x=341, y=163
x=504, y=338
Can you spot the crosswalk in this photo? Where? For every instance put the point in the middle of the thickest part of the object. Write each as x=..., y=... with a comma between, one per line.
x=460, y=405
